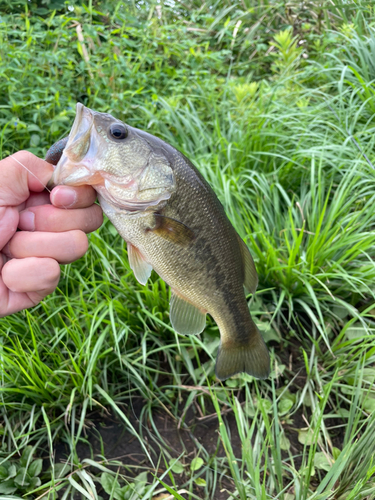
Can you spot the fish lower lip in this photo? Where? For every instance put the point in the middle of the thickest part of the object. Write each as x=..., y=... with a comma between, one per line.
x=77, y=177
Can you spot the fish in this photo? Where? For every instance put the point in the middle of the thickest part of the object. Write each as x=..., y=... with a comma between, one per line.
x=172, y=222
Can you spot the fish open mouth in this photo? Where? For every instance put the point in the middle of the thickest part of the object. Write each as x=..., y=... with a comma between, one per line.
x=70, y=170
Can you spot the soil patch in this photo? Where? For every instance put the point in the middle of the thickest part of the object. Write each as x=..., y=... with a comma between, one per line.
x=107, y=436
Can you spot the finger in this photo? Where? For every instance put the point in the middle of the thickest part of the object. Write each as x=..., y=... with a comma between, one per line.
x=50, y=218
x=73, y=197
x=31, y=275
x=39, y=278
x=12, y=302
x=9, y=217
x=21, y=173
x=36, y=199
x=63, y=247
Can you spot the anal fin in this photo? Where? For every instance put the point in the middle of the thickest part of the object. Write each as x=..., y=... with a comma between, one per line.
x=186, y=318
x=141, y=268
x=251, y=276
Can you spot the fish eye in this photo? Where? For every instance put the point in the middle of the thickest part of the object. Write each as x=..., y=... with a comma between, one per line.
x=118, y=131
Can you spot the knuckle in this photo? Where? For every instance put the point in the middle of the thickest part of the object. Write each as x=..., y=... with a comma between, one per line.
x=24, y=155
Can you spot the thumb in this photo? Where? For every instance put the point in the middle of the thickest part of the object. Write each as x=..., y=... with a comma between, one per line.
x=21, y=173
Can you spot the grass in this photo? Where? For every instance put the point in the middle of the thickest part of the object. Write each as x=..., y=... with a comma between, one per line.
x=275, y=105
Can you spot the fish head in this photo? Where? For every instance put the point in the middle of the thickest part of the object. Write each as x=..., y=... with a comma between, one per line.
x=124, y=167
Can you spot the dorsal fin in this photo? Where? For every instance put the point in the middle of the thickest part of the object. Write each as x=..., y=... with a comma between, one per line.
x=251, y=277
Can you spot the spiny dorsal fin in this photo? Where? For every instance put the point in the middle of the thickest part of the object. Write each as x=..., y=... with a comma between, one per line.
x=172, y=230
x=186, y=318
x=251, y=277
x=141, y=268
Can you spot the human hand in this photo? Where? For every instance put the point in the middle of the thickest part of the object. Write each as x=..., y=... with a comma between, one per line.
x=53, y=227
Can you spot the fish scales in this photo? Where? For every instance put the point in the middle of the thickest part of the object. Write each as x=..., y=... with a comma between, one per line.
x=172, y=221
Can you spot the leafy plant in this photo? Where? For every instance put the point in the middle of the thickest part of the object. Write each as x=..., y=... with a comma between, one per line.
x=288, y=52
x=20, y=476
x=131, y=491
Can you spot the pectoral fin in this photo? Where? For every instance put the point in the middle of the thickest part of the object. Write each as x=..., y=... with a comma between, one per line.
x=251, y=277
x=172, y=230
x=141, y=268
x=186, y=318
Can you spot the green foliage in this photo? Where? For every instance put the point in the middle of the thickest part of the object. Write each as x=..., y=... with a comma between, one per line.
x=20, y=477
x=131, y=491
x=288, y=52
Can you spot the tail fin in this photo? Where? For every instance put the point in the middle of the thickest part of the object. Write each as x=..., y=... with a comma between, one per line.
x=240, y=355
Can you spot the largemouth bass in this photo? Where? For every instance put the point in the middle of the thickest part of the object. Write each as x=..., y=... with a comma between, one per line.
x=173, y=223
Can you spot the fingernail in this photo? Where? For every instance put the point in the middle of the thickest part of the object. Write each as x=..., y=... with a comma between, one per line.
x=63, y=196
x=27, y=221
